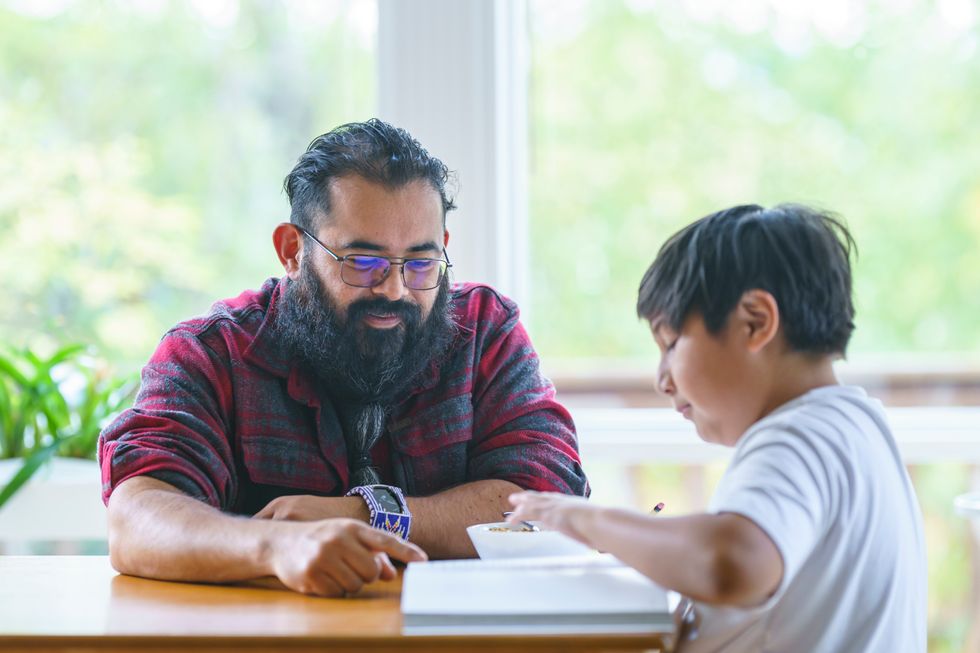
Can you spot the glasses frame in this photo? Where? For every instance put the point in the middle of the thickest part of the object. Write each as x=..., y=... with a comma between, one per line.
x=392, y=260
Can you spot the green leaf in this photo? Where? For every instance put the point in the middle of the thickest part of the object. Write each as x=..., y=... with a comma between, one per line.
x=6, y=419
x=64, y=354
x=26, y=471
x=8, y=367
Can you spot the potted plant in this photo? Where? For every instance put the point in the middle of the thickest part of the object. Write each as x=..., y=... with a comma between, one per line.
x=51, y=412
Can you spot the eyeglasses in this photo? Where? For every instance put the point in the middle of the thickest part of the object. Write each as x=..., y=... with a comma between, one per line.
x=363, y=271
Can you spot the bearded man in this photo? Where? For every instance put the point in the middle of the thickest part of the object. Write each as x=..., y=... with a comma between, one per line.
x=359, y=409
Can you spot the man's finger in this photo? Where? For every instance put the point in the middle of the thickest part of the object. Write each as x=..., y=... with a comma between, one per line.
x=348, y=579
x=386, y=570
x=320, y=584
x=393, y=545
x=361, y=560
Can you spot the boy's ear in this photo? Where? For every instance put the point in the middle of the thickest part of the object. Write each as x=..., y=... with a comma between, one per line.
x=757, y=314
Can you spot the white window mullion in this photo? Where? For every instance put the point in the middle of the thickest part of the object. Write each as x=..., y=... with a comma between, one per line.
x=454, y=73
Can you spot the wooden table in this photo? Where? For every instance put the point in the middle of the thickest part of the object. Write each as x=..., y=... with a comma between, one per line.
x=80, y=604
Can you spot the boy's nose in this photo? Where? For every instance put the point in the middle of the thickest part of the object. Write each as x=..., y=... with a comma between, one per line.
x=665, y=384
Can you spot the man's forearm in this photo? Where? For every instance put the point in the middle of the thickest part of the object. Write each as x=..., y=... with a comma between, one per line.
x=439, y=521
x=156, y=531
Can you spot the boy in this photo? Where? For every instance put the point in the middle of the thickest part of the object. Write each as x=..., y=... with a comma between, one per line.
x=813, y=539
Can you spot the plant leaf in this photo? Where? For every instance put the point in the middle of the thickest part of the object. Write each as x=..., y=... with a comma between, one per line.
x=63, y=354
x=8, y=367
x=26, y=471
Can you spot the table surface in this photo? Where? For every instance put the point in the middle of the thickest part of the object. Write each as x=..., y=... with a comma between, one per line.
x=57, y=603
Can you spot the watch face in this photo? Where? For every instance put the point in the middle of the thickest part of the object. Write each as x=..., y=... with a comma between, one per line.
x=389, y=502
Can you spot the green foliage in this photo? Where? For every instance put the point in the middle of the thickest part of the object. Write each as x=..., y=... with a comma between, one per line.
x=54, y=405
x=142, y=150
x=648, y=115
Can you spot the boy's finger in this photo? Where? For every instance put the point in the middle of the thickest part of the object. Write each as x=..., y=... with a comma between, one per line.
x=517, y=498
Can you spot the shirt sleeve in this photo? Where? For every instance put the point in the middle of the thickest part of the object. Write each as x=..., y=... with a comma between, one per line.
x=177, y=429
x=521, y=434
x=782, y=482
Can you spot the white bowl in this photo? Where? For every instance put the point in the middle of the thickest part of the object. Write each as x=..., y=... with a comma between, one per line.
x=503, y=540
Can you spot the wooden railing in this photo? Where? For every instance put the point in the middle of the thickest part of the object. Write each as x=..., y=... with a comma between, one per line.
x=637, y=435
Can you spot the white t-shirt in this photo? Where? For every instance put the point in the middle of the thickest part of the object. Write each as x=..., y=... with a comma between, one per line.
x=822, y=476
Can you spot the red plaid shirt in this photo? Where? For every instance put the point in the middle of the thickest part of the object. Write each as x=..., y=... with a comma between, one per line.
x=223, y=416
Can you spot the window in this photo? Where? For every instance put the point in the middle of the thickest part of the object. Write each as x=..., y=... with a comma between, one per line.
x=647, y=115
x=143, y=147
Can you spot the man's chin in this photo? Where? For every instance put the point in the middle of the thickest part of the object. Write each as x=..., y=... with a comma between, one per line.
x=380, y=344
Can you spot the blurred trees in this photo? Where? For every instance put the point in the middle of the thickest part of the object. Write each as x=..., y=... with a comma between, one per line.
x=131, y=194
x=648, y=115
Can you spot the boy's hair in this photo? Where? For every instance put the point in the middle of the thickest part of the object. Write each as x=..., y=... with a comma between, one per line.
x=800, y=255
x=374, y=150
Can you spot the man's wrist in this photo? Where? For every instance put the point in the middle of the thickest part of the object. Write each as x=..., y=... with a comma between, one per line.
x=271, y=535
x=357, y=509
x=387, y=508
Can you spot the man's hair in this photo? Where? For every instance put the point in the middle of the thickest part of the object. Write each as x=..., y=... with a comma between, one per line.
x=374, y=150
x=800, y=255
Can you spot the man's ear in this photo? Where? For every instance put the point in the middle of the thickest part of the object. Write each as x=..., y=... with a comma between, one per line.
x=288, y=242
x=757, y=315
x=445, y=237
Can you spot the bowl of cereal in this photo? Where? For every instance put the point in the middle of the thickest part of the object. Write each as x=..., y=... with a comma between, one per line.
x=506, y=540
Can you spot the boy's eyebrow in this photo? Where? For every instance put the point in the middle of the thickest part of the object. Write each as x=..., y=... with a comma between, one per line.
x=658, y=326
x=374, y=247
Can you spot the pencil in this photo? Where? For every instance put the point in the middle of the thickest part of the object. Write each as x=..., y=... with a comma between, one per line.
x=657, y=508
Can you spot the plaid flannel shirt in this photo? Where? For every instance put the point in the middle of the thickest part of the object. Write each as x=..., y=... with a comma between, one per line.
x=222, y=414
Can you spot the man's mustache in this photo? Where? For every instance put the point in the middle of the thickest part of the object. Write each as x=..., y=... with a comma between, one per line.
x=410, y=314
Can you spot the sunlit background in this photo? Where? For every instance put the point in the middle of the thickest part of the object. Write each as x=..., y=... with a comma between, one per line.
x=143, y=146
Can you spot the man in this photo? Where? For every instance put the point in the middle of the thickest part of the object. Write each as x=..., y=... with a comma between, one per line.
x=319, y=403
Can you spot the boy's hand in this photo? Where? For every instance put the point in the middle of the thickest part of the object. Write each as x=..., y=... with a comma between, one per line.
x=573, y=516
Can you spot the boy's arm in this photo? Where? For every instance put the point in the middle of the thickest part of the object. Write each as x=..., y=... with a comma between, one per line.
x=719, y=559
x=157, y=531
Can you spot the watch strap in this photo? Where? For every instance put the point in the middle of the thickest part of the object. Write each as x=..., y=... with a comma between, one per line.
x=398, y=523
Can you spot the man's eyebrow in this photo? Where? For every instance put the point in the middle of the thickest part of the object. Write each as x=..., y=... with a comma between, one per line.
x=374, y=247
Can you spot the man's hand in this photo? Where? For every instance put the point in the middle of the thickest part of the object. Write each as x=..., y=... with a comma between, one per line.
x=304, y=507
x=337, y=557
x=573, y=516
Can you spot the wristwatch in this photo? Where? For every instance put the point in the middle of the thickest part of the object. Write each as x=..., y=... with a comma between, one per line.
x=388, y=508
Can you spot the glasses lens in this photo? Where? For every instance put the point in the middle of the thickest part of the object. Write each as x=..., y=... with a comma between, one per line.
x=423, y=273
x=364, y=271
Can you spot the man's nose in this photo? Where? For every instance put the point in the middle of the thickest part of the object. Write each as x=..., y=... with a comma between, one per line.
x=393, y=287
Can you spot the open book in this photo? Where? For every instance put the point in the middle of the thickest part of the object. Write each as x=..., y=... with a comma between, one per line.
x=577, y=594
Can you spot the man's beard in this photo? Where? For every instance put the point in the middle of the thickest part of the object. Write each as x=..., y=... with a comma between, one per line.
x=359, y=362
